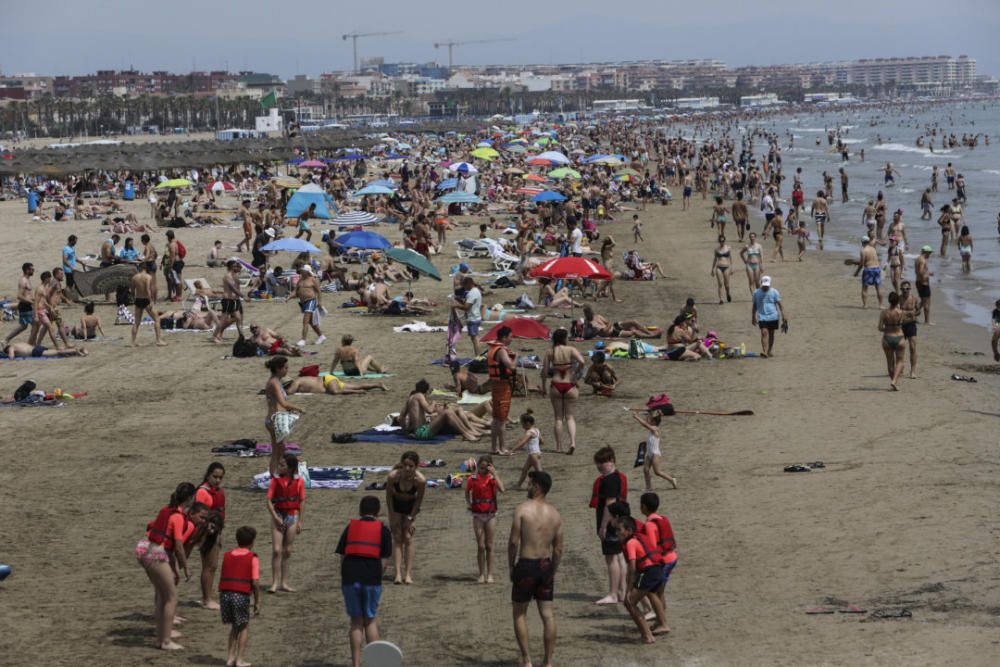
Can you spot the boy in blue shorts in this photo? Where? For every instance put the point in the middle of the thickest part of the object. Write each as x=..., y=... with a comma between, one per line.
x=364, y=547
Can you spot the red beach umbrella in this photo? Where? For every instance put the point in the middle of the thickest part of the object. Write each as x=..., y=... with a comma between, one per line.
x=520, y=327
x=571, y=268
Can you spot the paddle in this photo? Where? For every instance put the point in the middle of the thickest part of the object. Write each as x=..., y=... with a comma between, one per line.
x=737, y=413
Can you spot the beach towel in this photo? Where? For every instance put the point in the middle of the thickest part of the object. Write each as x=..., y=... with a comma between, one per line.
x=247, y=447
x=32, y=402
x=419, y=327
x=283, y=423
x=398, y=438
x=468, y=398
x=333, y=477
x=366, y=376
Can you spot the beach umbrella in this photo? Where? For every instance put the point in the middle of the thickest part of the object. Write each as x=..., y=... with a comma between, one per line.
x=463, y=168
x=515, y=148
x=384, y=182
x=222, y=186
x=535, y=177
x=174, y=183
x=564, y=172
x=520, y=327
x=448, y=184
x=285, y=182
x=555, y=157
x=290, y=245
x=548, y=196
x=459, y=198
x=355, y=218
x=414, y=260
x=485, y=153
x=373, y=190
x=513, y=170
x=627, y=171
x=312, y=164
x=363, y=240
x=529, y=191
x=570, y=268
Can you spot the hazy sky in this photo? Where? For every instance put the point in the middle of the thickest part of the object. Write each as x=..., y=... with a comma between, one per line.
x=304, y=36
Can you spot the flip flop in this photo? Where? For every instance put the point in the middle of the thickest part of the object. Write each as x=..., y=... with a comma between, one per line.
x=892, y=613
x=820, y=610
x=816, y=464
x=798, y=467
x=852, y=609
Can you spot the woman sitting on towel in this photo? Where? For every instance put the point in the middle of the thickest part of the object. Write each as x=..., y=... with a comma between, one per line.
x=595, y=325
x=550, y=298
x=683, y=344
x=349, y=357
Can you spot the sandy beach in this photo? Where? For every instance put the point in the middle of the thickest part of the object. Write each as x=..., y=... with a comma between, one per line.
x=902, y=516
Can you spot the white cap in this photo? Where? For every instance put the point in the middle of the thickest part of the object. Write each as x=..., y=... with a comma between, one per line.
x=269, y=232
x=308, y=269
x=865, y=239
x=765, y=281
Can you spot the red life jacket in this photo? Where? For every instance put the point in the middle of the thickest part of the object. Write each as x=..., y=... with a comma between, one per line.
x=285, y=498
x=364, y=539
x=498, y=372
x=237, y=573
x=666, y=533
x=597, y=485
x=650, y=554
x=156, y=530
x=218, y=499
x=484, y=495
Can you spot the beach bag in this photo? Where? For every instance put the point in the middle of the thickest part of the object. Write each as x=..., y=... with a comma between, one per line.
x=309, y=371
x=662, y=403
x=244, y=348
x=24, y=390
x=181, y=250
x=640, y=455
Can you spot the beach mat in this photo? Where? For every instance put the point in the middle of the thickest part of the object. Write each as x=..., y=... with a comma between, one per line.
x=366, y=376
x=53, y=403
x=398, y=438
x=333, y=477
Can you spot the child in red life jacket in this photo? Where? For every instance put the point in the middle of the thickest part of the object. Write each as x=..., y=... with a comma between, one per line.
x=659, y=530
x=239, y=579
x=645, y=576
x=481, y=491
x=364, y=547
x=610, y=486
x=285, y=498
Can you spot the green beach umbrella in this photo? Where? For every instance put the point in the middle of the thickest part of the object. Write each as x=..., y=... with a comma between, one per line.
x=414, y=260
x=564, y=172
x=174, y=183
x=627, y=171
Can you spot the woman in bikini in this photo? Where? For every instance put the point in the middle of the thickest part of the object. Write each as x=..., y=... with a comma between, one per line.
x=678, y=348
x=549, y=298
x=404, y=494
x=561, y=366
x=753, y=256
x=965, y=249
x=599, y=326
x=777, y=227
x=897, y=261
x=722, y=265
x=719, y=216
x=890, y=323
x=281, y=414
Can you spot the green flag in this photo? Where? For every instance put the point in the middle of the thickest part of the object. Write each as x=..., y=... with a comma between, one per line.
x=269, y=100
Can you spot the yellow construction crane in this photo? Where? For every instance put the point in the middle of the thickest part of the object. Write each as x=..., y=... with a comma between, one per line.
x=353, y=36
x=451, y=44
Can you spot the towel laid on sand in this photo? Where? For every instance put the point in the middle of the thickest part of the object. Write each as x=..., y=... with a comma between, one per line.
x=333, y=477
x=398, y=438
x=419, y=326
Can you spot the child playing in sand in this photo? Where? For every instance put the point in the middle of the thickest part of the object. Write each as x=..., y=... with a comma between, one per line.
x=481, y=491
x=285, y=496
x=240, y=577
x=651, y=464
x=363, y=547
x=645, y=577
x=637, y=229
x=531, y=439
x=610, y=485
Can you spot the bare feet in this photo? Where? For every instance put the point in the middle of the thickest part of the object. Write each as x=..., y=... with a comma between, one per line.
x=286, y=589
x=481, y=579
x=650, y=639
x=210, y=605
x=571, y=450
x=243, y=664
x=171, y=646
x=397, y=580
x=273, y=589
x=178, y=620
x=161, y=343
x=673, y=482
x=609, y=599
x=408, y=580
x=175, y=634
x=661, y=629
x=489, y=579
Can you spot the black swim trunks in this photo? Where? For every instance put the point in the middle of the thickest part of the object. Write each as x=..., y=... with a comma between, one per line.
x=909, y=329
x=534, y=578
x=230, y=306
x=141, y=303
x=770, y=325
x=924, y=291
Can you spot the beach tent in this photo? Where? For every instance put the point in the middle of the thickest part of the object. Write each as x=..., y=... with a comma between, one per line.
x=310, y=194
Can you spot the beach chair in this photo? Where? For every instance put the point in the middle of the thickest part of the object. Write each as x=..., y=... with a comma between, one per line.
x=472, y=248
x=191, y=286
x=502, y=260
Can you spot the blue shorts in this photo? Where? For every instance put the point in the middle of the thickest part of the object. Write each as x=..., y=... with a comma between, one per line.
x=473, y=328
x=871, y=277
x=303, y=226
x=307, y=306
x=361, y=600
x=25, y=317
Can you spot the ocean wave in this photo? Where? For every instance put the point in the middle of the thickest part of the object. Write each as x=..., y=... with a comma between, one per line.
x=853, y=141
x=903, y=148
x=995, y=172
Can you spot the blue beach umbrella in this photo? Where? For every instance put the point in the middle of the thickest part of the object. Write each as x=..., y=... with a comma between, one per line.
x=448, y=184
x=290, y=245
x=547, y=196
x=363, y=240
x=373, y=190
x=459, y=198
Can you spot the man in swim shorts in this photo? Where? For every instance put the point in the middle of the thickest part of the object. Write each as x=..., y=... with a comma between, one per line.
x=922, y=270
x=911, y=307
x=143, y=286
x=25, y=304
x=534, y=551
x=871, y=272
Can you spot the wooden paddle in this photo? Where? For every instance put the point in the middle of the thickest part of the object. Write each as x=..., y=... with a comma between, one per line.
x=738, y=413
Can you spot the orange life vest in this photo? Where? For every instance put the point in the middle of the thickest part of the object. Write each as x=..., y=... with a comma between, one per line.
x=285, y=499
x=498, y=372
x=650, y=554
x=218, y=498
x=666, y=533
x=156, y=531
x=597, y=485
x=237, y=573
x=364, y=539
x=484, y=496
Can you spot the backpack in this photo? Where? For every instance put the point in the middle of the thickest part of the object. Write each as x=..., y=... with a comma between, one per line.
x=662, y=403
x=24, y=390
x=243, y=348
x=309, y=371
x=181, y=250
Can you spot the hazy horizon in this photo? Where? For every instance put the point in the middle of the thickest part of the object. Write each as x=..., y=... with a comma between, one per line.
x=72, y=39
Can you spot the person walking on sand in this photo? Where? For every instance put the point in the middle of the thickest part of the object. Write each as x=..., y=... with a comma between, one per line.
x=722, y=265
x=651, y=461
x=768, y=311
x=534, y=552
x=143, y=285
x=25, y=306
x=559, y=371
x=923, y=280
x=752, y=255
x=869, y=266
x=890, y=323
x=308, y=293
x=911, y=307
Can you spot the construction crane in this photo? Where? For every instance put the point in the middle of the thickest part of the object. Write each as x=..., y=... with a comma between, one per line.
x=353, y=36
x=452, y=44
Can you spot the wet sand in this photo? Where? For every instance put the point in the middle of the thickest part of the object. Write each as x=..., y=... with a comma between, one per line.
x=902, y=515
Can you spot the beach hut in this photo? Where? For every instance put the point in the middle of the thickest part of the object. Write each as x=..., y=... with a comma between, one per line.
x=310, y=194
